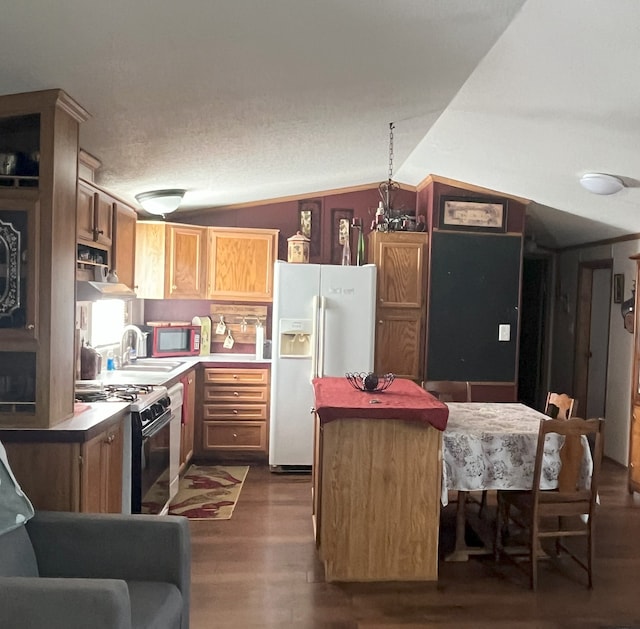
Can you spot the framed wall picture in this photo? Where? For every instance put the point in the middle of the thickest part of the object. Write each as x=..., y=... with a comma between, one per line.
x=309, y=223
x=618, y=288
x=340, y=230
x=468, y=214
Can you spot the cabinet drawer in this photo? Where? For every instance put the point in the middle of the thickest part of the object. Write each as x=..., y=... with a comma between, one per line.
x=255, y=412
x=235, y=436
x=236, y=376
x=231, y=394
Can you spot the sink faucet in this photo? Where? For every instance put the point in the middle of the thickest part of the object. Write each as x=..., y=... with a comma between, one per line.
x=140, y=343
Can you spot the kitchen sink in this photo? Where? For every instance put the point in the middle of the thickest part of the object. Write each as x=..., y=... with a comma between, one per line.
x=151, y=365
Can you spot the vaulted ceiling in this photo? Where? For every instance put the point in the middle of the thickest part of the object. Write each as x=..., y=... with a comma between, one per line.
x=251, y=100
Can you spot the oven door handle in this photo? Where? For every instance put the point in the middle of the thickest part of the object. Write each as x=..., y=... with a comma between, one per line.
x=157, y=424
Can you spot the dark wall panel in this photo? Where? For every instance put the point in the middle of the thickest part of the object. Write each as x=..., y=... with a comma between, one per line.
x=474, y=287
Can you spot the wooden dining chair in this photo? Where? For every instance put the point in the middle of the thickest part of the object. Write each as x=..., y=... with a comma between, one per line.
x=560, y=406
x=448, y=390
x=569, y=510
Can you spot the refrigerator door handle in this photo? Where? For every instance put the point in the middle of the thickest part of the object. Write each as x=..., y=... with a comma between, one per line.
x=314, y=339
x=321, y=326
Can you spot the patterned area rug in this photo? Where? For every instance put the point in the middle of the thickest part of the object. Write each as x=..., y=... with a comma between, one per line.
x=209, y=492
x=206, y=492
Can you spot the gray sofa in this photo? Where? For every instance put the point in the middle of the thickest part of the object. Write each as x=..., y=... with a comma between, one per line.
x=75, y=570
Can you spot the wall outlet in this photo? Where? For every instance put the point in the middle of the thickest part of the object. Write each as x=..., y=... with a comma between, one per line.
x=504, y=332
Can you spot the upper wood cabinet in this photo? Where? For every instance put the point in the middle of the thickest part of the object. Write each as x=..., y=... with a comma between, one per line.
x=18, y=264
x=170, y=260
x=124, y=243
x=107, y=227
x=401, y=258
x=95, y=215
x=179, y=261
x=240, y=264
x=185, y=262
x=37, y=258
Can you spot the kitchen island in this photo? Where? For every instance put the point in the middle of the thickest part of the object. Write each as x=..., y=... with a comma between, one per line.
x=376, y=486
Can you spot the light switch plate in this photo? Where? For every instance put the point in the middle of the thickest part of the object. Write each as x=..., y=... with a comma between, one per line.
x=504, y=332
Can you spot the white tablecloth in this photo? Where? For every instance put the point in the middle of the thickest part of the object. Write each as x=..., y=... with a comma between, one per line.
x=489, y=445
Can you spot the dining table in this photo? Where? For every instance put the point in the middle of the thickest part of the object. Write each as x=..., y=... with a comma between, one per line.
x=492, y=446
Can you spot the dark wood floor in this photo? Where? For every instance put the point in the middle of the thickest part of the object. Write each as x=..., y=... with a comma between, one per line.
x=260, y=569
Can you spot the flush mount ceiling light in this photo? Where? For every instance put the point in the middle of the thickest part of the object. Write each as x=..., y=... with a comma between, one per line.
x=601, y=184
x=160, y=202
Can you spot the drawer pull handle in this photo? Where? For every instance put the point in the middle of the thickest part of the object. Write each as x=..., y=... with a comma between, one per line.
x=236, y=394
x=235, y=376
x=235, y=436
x=235, y=412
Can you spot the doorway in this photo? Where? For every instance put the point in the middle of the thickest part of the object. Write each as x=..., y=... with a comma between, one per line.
x=533, y=351
x=592, y=337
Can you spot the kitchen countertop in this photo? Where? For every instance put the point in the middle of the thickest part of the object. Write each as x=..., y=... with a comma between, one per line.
x=84, y=425
x=122, y=376
x=88, y=422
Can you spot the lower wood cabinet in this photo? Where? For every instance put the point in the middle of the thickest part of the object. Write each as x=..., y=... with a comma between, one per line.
x=72, y=476
x=234, y=412
x=187, y=427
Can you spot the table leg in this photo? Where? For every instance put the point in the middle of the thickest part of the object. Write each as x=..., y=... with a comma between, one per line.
x=462, y=552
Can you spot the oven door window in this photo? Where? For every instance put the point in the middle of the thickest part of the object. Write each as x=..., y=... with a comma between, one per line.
x=155, y=472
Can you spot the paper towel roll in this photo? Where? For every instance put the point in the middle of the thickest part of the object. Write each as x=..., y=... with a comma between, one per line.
x=259, y=342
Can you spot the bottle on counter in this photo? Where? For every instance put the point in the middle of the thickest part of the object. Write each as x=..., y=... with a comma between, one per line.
x=346, y=250
x=111, y=365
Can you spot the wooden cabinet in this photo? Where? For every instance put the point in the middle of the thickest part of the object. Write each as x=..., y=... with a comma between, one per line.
x=72, y=476
x=18, y=264
x=106, y=226
x=240, y=264
x=401, y=258
x=179, y=261
x=187, y=428
x=95, y=215
x=185, y=262
x=102, y=473
x=170, y=260
x=235, y=411
x=37, y=259
x=124, y=243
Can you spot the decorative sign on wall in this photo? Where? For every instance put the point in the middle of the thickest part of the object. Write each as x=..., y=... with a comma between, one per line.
x=340, y=230
x=467, y=214
x=618, y=288
x=309, y=223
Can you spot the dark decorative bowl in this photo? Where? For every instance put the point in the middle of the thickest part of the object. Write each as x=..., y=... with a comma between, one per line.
x=370, y=382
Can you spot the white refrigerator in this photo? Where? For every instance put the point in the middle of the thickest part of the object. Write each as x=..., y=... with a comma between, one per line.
x=323, y=325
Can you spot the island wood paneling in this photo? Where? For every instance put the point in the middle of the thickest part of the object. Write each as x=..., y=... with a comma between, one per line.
x=379, y=502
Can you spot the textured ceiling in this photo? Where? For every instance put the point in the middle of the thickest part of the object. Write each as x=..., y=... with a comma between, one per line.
x=251, y=100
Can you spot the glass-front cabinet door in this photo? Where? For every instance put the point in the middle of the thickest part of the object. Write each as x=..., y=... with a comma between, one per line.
x=18, y=252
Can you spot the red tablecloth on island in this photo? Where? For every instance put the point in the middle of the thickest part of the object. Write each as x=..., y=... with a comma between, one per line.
x=404, y=400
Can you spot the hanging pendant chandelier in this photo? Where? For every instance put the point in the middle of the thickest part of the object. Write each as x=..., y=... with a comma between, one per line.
x=388, y=188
